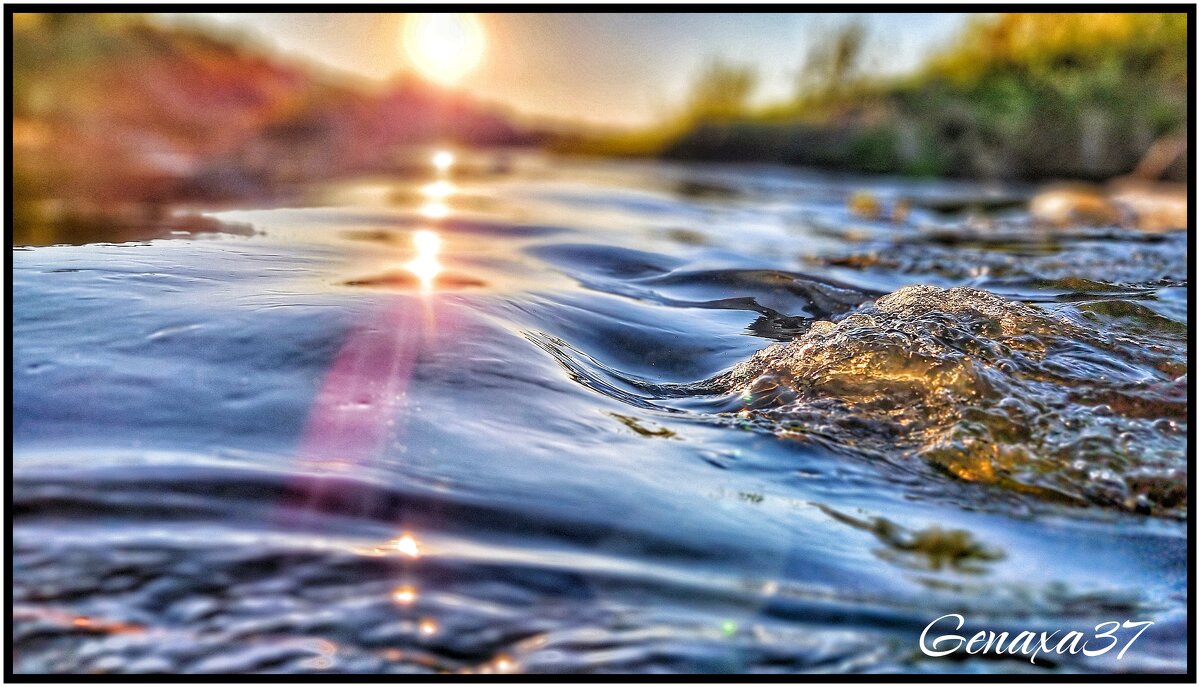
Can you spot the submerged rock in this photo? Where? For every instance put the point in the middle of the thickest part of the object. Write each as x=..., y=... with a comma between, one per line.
x=1062, y=206
x=932, y=548
x=1154, y=206
x=985, y=389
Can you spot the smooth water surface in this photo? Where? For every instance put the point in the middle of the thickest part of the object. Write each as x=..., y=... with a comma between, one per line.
x=521, y=418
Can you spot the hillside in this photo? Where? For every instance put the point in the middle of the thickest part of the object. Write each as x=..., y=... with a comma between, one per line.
x=116, y=108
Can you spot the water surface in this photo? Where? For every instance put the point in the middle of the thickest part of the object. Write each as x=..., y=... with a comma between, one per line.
x=525, y=418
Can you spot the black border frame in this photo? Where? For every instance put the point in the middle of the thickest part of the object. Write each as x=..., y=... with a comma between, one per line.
x=1111, y=678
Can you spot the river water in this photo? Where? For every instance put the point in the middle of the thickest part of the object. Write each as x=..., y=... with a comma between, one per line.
x=536, y=415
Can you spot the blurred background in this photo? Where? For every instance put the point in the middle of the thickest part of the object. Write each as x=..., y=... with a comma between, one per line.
x=116, y=115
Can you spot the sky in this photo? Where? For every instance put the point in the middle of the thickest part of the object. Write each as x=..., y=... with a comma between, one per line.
x=611, y=69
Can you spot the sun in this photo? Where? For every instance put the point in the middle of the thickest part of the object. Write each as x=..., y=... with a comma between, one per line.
x=443, y=47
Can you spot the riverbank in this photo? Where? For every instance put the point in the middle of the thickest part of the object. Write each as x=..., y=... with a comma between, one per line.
x=1030, y=97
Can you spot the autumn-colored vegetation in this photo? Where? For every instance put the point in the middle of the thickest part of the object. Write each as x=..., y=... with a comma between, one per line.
x=115, y=110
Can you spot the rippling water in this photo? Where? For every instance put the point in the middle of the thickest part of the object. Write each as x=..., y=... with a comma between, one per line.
x=569, y=416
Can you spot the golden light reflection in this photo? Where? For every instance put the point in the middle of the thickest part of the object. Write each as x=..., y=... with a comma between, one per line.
x=435, y=210
x=504, y=664
x=407, y=545
x=443, y=160
x=428, y=627
x=425, y=265
x=405, y=595
x=443, y=47
x=438, y=190
x=105, y=626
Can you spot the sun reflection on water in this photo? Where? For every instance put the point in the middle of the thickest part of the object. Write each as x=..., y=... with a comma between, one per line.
x=405, y=595
x=504, y=664
x=407, y=545
x=437, y=190
x=425, y=265
x=435, y=209
x=443, y=160
x=427, y=627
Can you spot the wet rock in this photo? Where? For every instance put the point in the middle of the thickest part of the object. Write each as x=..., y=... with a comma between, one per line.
x=1037, y=263
x=865, y=205
x=981, y=388
x=1131, y=203
x=1062, y=206
x=1153, y=206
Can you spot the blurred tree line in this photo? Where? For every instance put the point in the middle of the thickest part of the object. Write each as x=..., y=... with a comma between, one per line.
x=1017, y=96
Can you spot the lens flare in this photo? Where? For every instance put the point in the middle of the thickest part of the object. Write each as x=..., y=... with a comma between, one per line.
x=443, y=47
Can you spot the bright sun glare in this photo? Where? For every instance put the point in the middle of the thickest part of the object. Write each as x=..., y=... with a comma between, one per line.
x=426, y=267
x=443, y=47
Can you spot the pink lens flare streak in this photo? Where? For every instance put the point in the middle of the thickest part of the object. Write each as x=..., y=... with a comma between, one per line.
x=361, y=400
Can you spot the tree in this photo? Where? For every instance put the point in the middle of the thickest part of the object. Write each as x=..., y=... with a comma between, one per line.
x=722, y=91
x=834, y=62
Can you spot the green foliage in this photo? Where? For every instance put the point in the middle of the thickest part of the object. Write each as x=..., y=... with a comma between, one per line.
x=721, y=92
x=875, y=150
x=1132, y=66
x=1017, y=95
